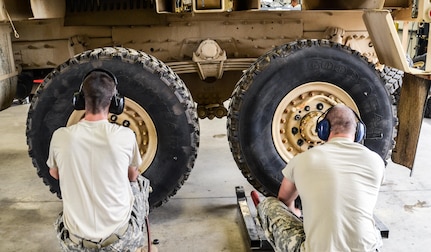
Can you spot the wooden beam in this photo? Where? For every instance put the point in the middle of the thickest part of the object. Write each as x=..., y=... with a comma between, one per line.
x=414, y=93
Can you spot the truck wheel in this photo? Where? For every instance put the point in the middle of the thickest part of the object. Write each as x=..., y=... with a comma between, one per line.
x=427, y=112
x=7, y=84
x=275, y=105
x=394, y=80
x=158, y=108
x=419, y=61
x=7, y=92
x=24, y=86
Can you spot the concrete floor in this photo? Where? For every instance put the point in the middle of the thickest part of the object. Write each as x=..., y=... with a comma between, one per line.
x=203, y=215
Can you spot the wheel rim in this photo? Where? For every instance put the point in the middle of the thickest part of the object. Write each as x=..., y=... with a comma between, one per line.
x=419, y=64
x=138, y=120
x=294, y=121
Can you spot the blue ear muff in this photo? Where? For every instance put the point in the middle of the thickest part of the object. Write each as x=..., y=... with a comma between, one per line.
x=323, y=128
x=360, y=130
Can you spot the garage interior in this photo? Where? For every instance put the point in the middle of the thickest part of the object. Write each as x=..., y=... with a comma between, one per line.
x=203, y=216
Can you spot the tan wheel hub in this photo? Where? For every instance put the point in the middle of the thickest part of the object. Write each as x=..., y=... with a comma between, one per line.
x=294, y=121
x=137, y=119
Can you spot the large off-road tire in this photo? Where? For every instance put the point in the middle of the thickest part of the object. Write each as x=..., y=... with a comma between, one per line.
x=24, y=86
x=7, y=84
x=419, y=62
x=394, y=80
x=275, y=106
x=158, y=108
x=427, y=111
x=7, y=92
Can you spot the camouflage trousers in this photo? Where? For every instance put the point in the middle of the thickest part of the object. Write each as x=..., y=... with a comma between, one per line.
x=135, y=235
x=283, y=229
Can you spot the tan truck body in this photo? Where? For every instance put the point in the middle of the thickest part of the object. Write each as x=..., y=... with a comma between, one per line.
x=209, y=44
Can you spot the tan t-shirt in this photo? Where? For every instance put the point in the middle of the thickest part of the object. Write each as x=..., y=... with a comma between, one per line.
x=338, y=183
x=92, y=158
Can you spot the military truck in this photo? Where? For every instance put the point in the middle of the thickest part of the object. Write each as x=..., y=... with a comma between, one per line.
x=178, y=61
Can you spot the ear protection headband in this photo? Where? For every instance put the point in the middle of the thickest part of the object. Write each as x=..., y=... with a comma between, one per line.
x=117, y=101
x=323, y=127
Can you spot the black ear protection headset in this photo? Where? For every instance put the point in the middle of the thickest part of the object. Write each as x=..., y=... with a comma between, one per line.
x=117, y=101
x=323, y=127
